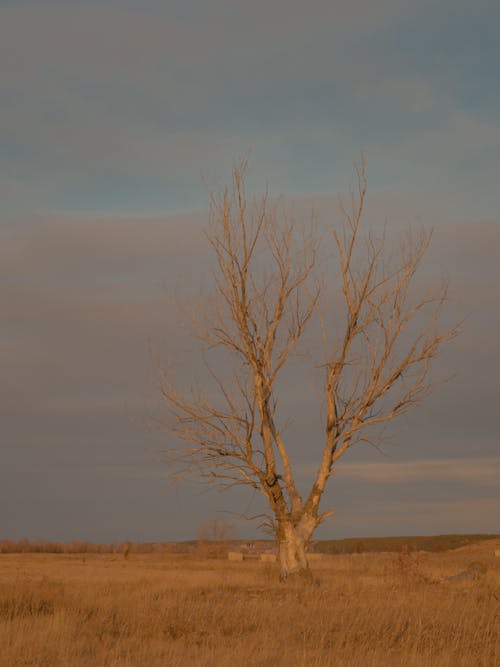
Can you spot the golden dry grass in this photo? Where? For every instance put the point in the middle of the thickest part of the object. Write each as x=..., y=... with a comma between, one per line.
x=163, y=609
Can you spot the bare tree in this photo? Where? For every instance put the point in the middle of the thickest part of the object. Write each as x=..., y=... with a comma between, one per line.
x=377, y=349
x=214, y=536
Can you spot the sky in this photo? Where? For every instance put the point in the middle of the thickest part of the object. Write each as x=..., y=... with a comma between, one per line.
x=115, y=120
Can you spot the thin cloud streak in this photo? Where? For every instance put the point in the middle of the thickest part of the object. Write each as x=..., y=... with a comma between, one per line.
x=480, y=471
x=416, y=517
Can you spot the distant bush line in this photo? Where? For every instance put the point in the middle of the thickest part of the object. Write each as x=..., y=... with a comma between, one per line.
x=81, y=547
x=344, y=546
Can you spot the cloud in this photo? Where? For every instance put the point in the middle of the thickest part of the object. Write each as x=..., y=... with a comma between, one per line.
x=122, y=108
x=84, y=296
x=118, y=107
x=415, y=517
x=480, y=471
x=87, y=294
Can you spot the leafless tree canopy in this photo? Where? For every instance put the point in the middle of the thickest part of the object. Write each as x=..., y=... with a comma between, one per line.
x=376, y=350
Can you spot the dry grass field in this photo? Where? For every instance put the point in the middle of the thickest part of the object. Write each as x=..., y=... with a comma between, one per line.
x=166, y=609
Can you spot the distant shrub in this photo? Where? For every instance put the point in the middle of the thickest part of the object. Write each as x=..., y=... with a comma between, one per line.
x=477, y=567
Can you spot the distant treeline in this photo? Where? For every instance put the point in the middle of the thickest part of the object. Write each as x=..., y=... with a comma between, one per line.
x=82, y=547
x=345, y=546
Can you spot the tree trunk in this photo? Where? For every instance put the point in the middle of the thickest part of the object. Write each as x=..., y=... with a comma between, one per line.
x=292, y=554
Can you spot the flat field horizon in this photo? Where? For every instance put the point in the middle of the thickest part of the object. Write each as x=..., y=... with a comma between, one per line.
x=404, y=607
